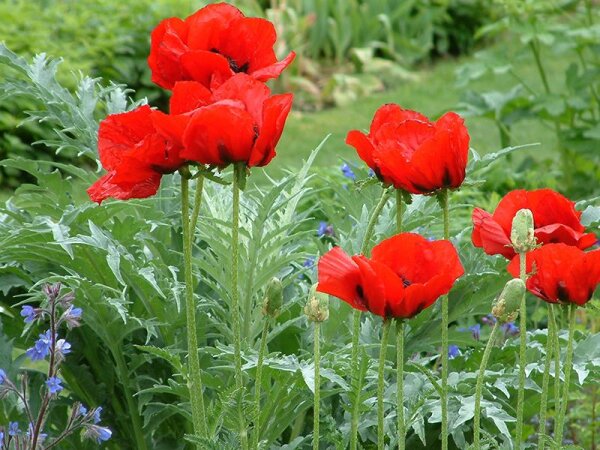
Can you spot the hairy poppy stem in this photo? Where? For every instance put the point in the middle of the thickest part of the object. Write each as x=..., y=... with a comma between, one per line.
x=195, y=378
x=560, y=423
x=381, y=385
x=400, y=383
x=235, y=306
x=479, y=387
x=556, y=355
x=356, y=328
x=444, y=203
x=258, y=381
x=522, y=351
x=197, y=204
x=400, y=348
x=546, y=378
x=317, y=397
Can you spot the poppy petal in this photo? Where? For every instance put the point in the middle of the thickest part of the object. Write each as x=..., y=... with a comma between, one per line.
x=188, y=96
x=489, y=235
x=364, y=147
x=275, y=112
x=249, y=91
x=205, y=67
x=339, y=276
x=392, y=113
x=274, y=70
x=219, y=134
x=105, y=188
x=372, y=285
x=168, y=43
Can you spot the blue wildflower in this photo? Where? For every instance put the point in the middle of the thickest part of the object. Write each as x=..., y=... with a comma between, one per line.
x=13, y=429
x=63, y=347
x=309, y=262
x=347, y=171
x=41, y=436
x=475, y=331
x=29, y=313
x=453, y=351
x=54, y=385
x=371, y=173
x=82, y=410
x=510, y=329
x=104, y=434
x=1, y=438
x=40, y=348
x=96, y=416
x=325, y=229
x=3, y=376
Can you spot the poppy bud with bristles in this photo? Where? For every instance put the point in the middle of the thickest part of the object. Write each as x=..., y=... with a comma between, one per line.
x=506, y=306
x=522, y=232
x=273, y=298
x=317, y=307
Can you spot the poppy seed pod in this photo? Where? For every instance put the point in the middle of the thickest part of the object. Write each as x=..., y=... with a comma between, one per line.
x=506, y=305
x=317, y=307
x=522, y=231
x=273, y=298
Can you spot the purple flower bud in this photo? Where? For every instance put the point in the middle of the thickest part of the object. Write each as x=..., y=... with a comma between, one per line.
x=489, y=320
x=1, y=438
x=41, y=436
x=51, y=290
x=67, y=299
x=54, y=385
x=3, y=376
x=82, y=410
x=371, y=173
x=29, y=313
x=347, y=171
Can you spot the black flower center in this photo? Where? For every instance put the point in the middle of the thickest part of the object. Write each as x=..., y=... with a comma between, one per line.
x=233, y=63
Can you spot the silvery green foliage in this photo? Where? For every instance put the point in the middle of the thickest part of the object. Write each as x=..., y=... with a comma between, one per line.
x=73, y=116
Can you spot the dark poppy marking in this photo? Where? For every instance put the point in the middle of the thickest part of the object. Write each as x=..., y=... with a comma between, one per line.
x=447, y=180
x=362, y=301
x=561, y=291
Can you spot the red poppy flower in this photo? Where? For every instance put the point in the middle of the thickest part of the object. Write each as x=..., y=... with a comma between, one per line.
x=238, y=122
x=408, y=151
x=135, y=155
x=406, y=274
x=212, y=45
x=555, y=220
x=561, y=273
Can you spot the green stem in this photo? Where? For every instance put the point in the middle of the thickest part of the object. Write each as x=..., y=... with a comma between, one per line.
x=195, y=379
x=445, y=323
x=400, y=383
x=558, y=433
x=197, y=204
x=258, y=381
x=546, y=378
x=356, y=328
x=533, y=44
x=317, y=387
x=398, y=211
x=235, y=304
x=479, y=387
x=381, y=385
x=522, y=350
x=556, y=355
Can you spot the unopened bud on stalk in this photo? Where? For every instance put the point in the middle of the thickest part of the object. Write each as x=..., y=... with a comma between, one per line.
x=273, y=298
x=317, y=307
x=506, y=306
x=521, y=233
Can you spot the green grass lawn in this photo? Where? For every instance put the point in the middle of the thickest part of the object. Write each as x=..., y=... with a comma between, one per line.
x=434, y=93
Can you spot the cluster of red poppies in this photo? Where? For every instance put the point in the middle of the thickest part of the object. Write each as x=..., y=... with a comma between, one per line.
x=215, y=62
x=407, y=272
x=559, y=271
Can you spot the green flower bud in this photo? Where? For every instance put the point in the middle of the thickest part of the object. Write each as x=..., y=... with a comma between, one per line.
x=273, y=298
x=506, y=306
x=521, y=233
x=317, y=307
